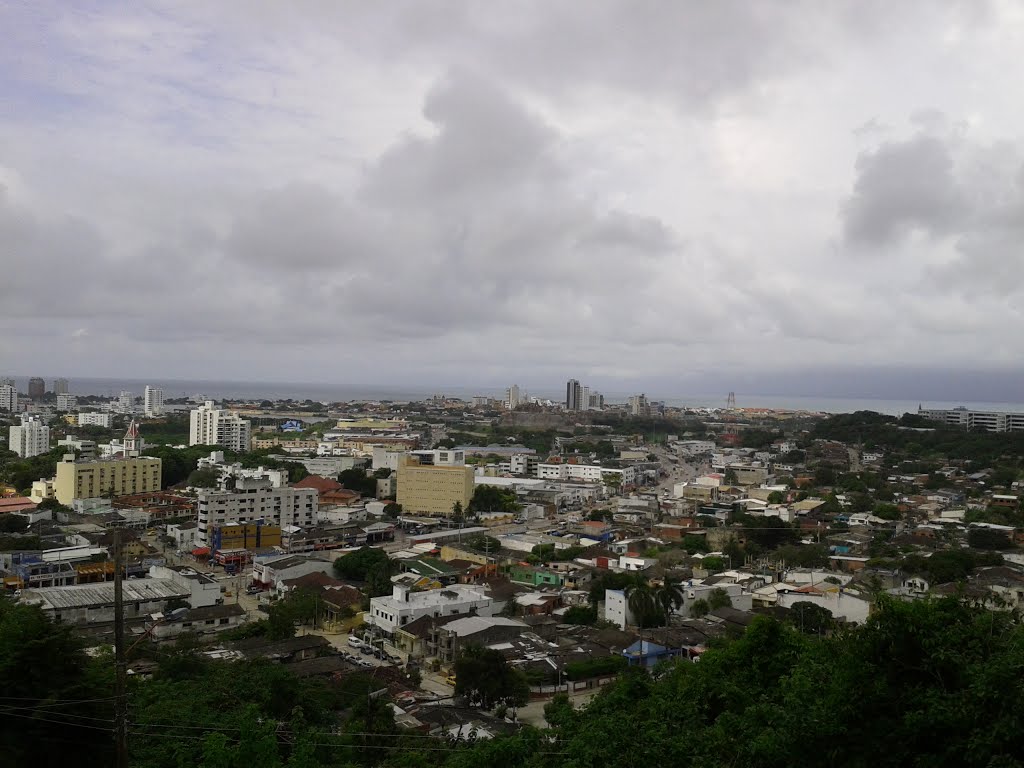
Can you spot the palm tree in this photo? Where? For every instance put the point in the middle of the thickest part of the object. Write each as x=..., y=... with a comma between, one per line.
x=640, y=600
x=668, y=597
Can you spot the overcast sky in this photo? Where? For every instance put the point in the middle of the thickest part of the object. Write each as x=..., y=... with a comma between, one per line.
x=806, y=197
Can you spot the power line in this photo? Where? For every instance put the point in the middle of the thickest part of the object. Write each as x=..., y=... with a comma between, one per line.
x=59, y=722
x=12, y=710
x=66, y=701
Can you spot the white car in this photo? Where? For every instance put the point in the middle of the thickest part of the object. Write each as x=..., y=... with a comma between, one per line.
x=355, y=642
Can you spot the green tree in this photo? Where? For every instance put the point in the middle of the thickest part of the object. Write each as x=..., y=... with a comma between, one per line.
x=491, y=498
x=699, y=608
x=484, y=677
x=712, y=564
x=641, y=601
x=988, y=538
x=669, y=597
x=203, y=478
x=357, y=565
x=356, y=479
x=810, y=618
x=719, y=598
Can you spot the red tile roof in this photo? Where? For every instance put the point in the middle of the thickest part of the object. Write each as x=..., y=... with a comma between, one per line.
x=16, y=504
x=322, y=484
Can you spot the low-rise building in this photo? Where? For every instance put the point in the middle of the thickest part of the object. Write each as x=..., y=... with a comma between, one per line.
x=94, y=603
x=447, y=641
x=403, y=605
x=202, y=621
x=269, y=570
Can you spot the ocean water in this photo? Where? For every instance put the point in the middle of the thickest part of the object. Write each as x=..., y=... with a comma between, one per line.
x=218, y=390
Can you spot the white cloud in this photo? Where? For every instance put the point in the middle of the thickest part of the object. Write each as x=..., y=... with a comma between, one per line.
x=633, y=192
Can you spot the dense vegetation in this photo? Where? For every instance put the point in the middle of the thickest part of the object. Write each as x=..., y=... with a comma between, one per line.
x=912, y=436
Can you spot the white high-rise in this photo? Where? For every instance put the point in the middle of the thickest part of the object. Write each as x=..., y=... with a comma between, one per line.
x=512, y=397
x=31, y=438
x=125, y=402
x=210, y=424
x=152, y=402
x=8, y=397
x=60, y=386
x=66, y=402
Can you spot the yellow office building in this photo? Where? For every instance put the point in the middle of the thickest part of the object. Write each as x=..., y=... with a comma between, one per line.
x=433, y=489
x=91, y=478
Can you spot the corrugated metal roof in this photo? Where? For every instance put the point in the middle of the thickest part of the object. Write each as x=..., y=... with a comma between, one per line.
x=85, y=595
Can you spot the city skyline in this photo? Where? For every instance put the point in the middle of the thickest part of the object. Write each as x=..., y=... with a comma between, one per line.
x=750, y=193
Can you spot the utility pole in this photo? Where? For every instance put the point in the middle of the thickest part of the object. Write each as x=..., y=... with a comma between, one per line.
x=120, y=665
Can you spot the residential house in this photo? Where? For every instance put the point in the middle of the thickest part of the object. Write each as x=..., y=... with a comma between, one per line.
x=402, y=606
x=449, y=639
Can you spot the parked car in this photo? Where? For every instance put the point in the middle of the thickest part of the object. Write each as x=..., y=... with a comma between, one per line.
x=354, y=641
x=366, y=650
x=252, y=590
x=394, y=659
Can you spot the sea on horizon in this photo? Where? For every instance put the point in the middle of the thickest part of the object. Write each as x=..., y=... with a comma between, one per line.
x=220, y=390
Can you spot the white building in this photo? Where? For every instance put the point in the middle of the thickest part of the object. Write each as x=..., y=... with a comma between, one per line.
x=384, y=458
x=278, y=477
x=271, y=571
x=616, y=608
x=404, y=605
x=60, y=386
x=31, y=438
x=95, y=420
x=256, y=499
x=512, y=398
x=440, y=458
x=638, y=405
x=66, y=402
x=185, y=535
x=152, y=402
x=8, y=397
x=125, y=403
x=212, y=425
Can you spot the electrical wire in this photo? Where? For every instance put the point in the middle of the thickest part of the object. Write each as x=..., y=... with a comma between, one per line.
x=11, y=710
x=59, y=722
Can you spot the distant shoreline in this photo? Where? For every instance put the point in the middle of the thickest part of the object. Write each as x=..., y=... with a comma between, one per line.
x=218, y=390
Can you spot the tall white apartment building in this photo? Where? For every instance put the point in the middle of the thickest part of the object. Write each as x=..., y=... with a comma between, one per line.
x=152, y=402
x=31, y=438
x=513, y=398
x=95, y=420
x=638, y=405
x=211, y=425
x=66, y=402
x=125, y=402
x=256, y=499
x=8, y=397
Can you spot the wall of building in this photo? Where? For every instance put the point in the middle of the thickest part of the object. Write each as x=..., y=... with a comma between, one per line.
x=433, y=490
x=86, y=479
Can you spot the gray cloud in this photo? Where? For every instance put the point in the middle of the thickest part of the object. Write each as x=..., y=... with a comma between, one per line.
x=463, y=193
x=903, y=187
